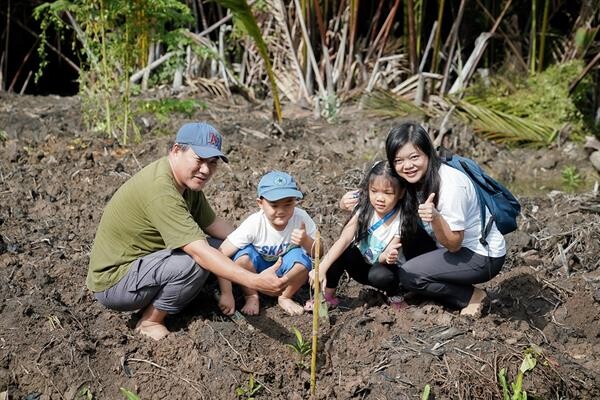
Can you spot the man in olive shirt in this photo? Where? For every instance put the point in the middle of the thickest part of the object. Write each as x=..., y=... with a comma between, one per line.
x=151, y=251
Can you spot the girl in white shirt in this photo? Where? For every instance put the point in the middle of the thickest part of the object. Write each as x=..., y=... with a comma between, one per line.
x=444, y=201
x=369, y=245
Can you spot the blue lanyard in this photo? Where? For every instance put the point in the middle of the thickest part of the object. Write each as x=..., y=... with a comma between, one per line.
x=377, y=224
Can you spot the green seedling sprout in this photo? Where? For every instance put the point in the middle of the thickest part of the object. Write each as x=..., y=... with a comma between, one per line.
x=248, y=391
x=529, y=362
x=571, y=178
x=426, y=392
x=301, y=347
x=129, y=395
x=85, y=393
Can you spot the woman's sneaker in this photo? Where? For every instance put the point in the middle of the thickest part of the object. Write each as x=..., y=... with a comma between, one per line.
x=397, y=302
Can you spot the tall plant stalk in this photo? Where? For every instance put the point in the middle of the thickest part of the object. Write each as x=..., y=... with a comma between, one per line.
x=543, y=33
x=533, y=37
x=412, y=40
x=438, y=34
x=315, y=327
x=105, y=75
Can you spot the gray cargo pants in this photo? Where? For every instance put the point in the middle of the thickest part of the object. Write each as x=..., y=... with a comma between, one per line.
x=167, y=279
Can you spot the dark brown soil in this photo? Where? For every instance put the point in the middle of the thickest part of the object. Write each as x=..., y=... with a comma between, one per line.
x=56, y=342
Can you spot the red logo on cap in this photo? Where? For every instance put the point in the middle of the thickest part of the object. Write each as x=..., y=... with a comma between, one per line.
x=213, y=139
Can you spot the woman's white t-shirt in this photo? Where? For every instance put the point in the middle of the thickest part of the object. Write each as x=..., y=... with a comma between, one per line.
x=374, y=244
x=268, y=241
x=459, y=205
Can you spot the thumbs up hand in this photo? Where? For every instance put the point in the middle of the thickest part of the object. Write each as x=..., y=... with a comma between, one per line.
x=299, y=235
x=390, y=255
x=427, y=210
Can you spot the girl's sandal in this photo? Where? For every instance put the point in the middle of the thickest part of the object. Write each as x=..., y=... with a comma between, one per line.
x=331, y=300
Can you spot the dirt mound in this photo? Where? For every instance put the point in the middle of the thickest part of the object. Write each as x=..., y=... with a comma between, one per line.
x=57, y=342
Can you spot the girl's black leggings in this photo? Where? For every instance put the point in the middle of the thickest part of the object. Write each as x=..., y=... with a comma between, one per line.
x=384, y=277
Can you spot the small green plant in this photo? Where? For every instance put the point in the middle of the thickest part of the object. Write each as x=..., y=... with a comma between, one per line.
x=330, y=107
x=129, y=395
x=163, y=108
x=3, y=136
x=301, y=347
x=426, y=392
x=85, y=393
x=249, y=390
x=571, y=178
x=529, y=363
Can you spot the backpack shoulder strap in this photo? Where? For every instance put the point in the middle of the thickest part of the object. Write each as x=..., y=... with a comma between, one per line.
x=460, y=164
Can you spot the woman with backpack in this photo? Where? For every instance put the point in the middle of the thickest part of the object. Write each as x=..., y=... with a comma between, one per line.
x=444, y=201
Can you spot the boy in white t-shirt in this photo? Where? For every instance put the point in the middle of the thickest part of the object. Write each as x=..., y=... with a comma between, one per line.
x=280, y=233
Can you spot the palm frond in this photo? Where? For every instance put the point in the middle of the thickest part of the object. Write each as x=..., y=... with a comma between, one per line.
x=242, y=12
x=503, y=127
x=388, y=104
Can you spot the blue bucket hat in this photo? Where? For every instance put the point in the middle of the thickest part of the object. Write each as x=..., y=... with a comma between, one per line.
x=277, y=185
x=203, y=138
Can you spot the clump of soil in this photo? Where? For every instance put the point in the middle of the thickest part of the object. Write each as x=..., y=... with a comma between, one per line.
x=57, y=342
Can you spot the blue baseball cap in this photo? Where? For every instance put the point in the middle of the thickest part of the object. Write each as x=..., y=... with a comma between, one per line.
x=277, y=185
x=203, y=138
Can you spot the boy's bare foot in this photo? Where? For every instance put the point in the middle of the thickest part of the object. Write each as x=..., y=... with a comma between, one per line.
x=290, y=306
x=153, y=330
x=252, y=305
x=473, y=309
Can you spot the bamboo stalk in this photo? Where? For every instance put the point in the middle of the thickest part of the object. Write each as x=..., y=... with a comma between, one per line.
x=315, y=327
x=480, y=46
x=453, y=40
x=14, y=79
x=438, y=35
x=311, y=55
x=543, y=36
x=353, y=10
x=54, y=49
x=4, y=59
x=509, y=42
x=412, y=40
x=532, y=37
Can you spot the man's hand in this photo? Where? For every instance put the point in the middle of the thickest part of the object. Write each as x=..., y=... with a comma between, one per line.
x=227, y=303
x=268, y=283
x=349, y=200
x=427, y=210
x=299, y=235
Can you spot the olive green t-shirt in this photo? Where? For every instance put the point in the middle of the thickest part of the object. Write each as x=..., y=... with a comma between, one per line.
x=145, y=215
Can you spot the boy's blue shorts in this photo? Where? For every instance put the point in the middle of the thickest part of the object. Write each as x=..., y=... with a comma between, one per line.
x=291, y=257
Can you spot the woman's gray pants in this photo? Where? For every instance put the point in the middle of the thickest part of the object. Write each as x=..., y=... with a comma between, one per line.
x=449, y=277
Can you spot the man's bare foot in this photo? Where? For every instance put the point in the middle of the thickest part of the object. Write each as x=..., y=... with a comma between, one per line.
x=473, y=309
x=252, y=305
x=290, y=306
x=153, y=330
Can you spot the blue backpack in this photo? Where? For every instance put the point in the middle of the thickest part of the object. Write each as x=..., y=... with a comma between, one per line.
x=503, y=206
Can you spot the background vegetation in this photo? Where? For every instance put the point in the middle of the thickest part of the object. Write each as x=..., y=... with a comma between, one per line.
x=521, y=71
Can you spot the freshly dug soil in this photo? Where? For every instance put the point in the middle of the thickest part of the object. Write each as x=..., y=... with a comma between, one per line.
x=56, y=342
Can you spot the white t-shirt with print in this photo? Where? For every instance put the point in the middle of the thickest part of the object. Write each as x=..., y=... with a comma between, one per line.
x=459, y=205
x=374, y=244
x=268, y=241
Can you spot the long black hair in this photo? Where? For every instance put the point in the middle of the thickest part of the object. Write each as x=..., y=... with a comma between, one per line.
x=364, y=208
x=413, y=133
